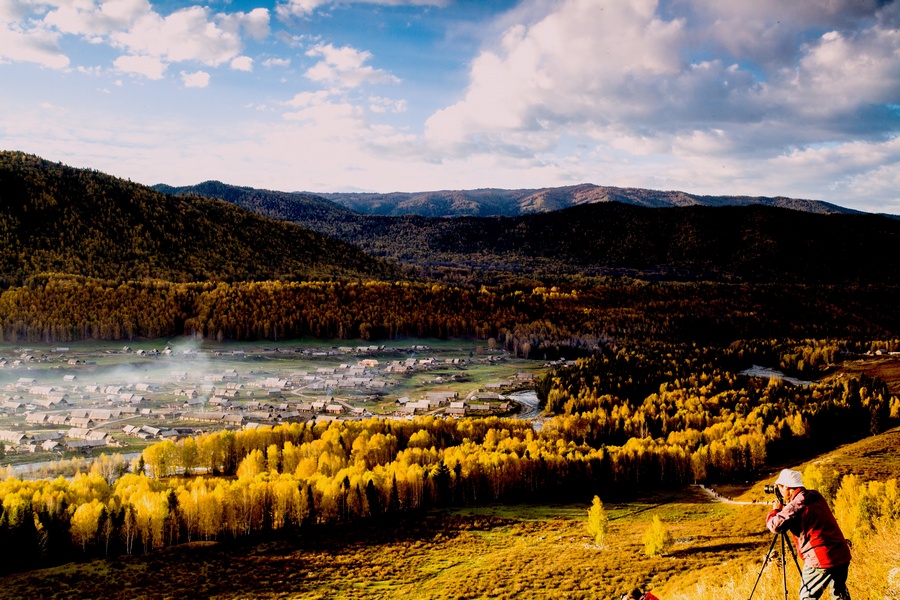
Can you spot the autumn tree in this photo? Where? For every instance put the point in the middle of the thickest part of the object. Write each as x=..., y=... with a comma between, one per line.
x=597, y=522
x=657, y=538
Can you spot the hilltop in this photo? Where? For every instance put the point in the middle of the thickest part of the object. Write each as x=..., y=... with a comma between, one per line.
x=750, y=243
x=59, y=219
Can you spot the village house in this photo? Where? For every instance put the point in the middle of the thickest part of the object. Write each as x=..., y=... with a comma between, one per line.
x=12, y=437
x=50, y=402
x=84, y=445
x=50, y=446
x=78, y=433
x=38, y=418
x=81, y=422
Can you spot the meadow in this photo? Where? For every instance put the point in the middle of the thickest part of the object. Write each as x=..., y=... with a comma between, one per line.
x=509, y=551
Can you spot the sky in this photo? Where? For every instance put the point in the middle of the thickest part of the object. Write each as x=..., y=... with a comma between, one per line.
x=797, y=98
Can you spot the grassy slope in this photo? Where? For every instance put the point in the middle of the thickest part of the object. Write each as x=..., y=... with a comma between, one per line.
x=521, y=551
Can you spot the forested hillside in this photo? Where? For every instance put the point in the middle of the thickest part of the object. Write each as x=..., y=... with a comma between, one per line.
x=58, y=219
x=751, y=243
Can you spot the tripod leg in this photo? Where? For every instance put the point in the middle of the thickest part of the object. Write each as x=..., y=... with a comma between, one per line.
x=783, y=566
x=763, y=568
x=797, y=564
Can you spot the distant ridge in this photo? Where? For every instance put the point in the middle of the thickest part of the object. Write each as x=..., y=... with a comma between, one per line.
x=745, y=243
x=58, y=219
x=508, y=203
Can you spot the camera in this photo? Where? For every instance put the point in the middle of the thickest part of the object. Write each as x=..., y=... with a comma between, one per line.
x=773, y=489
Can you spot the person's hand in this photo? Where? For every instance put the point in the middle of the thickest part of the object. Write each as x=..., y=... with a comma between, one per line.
x=777, y=505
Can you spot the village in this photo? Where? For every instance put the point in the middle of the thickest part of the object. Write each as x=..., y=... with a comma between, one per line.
x=68, y=401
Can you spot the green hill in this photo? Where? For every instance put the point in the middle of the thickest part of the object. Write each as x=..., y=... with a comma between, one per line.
x=59, y=219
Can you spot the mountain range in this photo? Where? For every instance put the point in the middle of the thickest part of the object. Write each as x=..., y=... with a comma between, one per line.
x=511, y=203
x=740, y=242
x=58, y=219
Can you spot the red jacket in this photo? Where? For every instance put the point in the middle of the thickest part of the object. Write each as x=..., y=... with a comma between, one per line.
x=819, y=539
x=649, y=596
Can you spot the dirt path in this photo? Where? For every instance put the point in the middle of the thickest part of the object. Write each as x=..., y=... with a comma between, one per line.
x=717, y=497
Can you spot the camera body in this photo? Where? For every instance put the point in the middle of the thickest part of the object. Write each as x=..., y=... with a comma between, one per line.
x=773, y=489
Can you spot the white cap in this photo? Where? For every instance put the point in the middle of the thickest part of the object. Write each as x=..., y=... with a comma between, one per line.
x=791, y=479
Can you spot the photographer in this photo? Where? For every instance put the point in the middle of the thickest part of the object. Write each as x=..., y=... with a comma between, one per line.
x=637, y=594
x=825, y=552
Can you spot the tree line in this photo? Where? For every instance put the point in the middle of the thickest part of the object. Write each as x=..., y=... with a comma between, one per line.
x=535, y=322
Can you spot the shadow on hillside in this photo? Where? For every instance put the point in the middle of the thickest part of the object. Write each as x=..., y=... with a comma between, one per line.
x=728, y=549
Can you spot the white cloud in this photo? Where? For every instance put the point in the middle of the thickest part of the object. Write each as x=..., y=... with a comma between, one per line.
x=254, y=23
x=304, y=99
x=587, y=62
x=242, y=63
x=844, y=73
x=344, y=67
x=304, y=8
x=148, y=66
x=768, y=30
x=11, y=11
x=90, y=18
x=198, y=79
x=32, y=45
x=185, y=35
x=383, y=105
x=621, y=74
x=277, y=62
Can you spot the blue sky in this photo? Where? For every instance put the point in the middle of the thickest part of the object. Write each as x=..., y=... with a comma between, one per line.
x=798, y=98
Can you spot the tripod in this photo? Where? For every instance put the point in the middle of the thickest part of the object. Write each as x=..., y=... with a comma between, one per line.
x=785, y=542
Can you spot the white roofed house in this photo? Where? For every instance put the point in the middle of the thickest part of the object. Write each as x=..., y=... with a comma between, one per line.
x=78, y=433
x=12, y=437
x=49, y=402
x=50, y=445
x=81, y=422
x=38, y=418
x=98, y=436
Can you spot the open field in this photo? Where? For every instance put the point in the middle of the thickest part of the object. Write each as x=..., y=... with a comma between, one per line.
x=493, y=552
